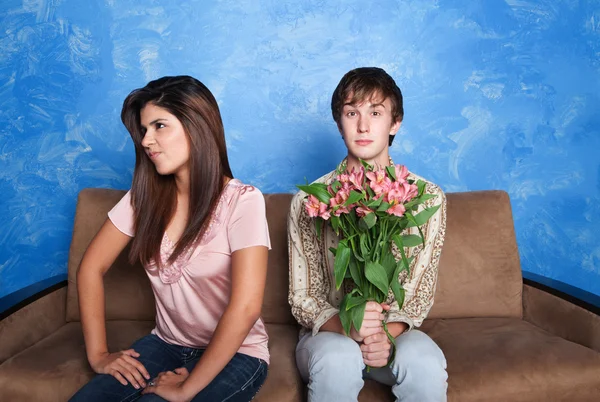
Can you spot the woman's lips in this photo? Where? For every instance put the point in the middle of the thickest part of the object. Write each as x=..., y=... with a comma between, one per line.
x=153, y=155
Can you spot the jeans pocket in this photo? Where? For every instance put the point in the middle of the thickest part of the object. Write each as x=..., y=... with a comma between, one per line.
x=258, y=373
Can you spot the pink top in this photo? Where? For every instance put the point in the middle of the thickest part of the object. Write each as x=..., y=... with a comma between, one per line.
x=192, y=293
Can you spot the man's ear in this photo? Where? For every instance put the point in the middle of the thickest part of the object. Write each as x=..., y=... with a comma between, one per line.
x=395, y=127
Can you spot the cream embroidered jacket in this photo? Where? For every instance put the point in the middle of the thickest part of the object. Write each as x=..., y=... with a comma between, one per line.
x=312, y=294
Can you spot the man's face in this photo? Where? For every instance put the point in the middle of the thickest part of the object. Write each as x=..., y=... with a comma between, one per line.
x=366, y=128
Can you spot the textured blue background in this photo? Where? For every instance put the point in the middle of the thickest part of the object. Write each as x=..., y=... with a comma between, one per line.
x=499, y=95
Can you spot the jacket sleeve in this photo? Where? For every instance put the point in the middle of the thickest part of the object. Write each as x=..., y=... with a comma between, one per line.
x=309, y=284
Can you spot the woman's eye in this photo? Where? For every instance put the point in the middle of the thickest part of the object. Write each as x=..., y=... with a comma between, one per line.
x=159, y=125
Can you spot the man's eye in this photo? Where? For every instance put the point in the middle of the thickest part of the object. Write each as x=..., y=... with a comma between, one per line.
x=350, y=114
x=376, y=114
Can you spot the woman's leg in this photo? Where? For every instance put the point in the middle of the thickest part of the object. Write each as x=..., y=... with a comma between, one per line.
x=156, y=356
x=332, y=366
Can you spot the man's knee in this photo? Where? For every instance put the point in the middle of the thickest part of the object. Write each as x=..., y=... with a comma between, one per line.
x=417, y=350
x=328, y=354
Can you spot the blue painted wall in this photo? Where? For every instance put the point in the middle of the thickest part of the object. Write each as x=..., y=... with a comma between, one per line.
x=499, y=95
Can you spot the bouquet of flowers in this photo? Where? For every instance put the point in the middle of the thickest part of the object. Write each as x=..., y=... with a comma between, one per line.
x=369, y=209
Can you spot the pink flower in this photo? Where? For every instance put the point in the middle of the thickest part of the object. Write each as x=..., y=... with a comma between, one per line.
x=312, y=206
x=316, y=208
x=356, y=178
x=362, y=211
x=379, y=182
x=338, y=200
x=401, y=173
x=397, y=210
x=324, y=211
x=401, y=192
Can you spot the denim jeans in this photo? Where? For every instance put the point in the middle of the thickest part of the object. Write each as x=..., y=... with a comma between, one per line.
x=239, y=381
x=333, y=367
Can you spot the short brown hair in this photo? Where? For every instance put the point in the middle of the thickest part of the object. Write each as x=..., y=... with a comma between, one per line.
x=362, y=84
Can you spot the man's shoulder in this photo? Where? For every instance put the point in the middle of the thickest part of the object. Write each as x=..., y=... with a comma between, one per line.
x=430, y=186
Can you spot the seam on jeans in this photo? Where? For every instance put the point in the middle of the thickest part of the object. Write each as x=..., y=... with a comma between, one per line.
x=261, y=364
x=128, y=397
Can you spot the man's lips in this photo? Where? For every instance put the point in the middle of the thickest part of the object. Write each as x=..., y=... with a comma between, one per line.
x=363, y=142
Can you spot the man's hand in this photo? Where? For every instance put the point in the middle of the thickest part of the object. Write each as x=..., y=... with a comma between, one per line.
x=372, y=322
x=169, y=385
x=123, y=366
x=376, y=349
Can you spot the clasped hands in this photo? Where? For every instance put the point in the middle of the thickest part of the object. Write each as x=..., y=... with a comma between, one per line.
x=374, y=343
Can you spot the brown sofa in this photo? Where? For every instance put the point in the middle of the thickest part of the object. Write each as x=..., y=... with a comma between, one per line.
x=503, y=340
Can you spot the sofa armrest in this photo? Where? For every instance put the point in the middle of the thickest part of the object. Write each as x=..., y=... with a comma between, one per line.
x=561, y=317
x=33, y=320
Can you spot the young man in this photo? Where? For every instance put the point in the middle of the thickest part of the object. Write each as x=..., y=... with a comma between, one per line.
x=367, y=107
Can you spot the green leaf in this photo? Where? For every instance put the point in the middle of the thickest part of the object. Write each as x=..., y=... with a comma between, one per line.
x=400, y=244
x=358, y=314
x=421, y=186
x=391, y=171
x=375, y=273
x=422, y=217
x=388, y=262
x=383, y=207
x=357, y=277
x=353, y=301
x=340, y=264
x=415, y=202
x=319, y=190
x=364, y=248
x=335, y=223
x=411, y=240
x=375, y=203
x=345, y=316
x=399, y=292
x=318, y=226
x=354, y=197
x=333, y=250
x=368, y=220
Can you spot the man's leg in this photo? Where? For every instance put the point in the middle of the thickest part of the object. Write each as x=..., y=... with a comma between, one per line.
x=332, y=366
x=418, y=372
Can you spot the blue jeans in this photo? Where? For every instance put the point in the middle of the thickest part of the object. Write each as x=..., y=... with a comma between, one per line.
x=333, y=367
x=239, y=381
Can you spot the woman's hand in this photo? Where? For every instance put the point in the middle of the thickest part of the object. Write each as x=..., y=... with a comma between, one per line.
x=169, y=385
x=123, y=366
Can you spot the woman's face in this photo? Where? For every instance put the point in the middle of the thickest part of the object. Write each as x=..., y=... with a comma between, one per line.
x=165, y=141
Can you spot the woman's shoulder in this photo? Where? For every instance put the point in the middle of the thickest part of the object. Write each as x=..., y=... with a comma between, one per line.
x=236, y=190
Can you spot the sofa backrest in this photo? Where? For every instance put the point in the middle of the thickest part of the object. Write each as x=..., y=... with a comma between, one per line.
x=479, y=273
x=127, y=288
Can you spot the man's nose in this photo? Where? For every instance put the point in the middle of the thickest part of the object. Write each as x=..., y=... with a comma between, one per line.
x=363, y=125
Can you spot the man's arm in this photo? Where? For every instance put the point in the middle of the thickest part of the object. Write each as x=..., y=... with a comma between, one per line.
x=420, y=284
x=309, y=285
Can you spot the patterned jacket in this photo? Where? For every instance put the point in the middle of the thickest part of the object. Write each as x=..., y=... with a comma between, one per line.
x=312, y=294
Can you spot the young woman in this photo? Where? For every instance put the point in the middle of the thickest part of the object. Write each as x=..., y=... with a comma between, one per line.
x=203, y=240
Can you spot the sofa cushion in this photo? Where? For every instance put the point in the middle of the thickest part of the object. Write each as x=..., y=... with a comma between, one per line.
x=127, y=289
x=55, y=368
x=504, y=359
x=479, y=273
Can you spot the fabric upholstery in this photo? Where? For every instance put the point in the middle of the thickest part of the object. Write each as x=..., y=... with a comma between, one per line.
x=561, y=318
x=479, y=273
x=32, y=323
x=508, y=359
x=127, y=288
x=492, y=353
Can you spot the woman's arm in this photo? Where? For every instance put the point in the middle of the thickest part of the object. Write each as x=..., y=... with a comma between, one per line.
x=248, y=277
x=99, y=256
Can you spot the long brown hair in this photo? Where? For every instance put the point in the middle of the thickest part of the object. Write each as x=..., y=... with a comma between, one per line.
x=154, y=196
